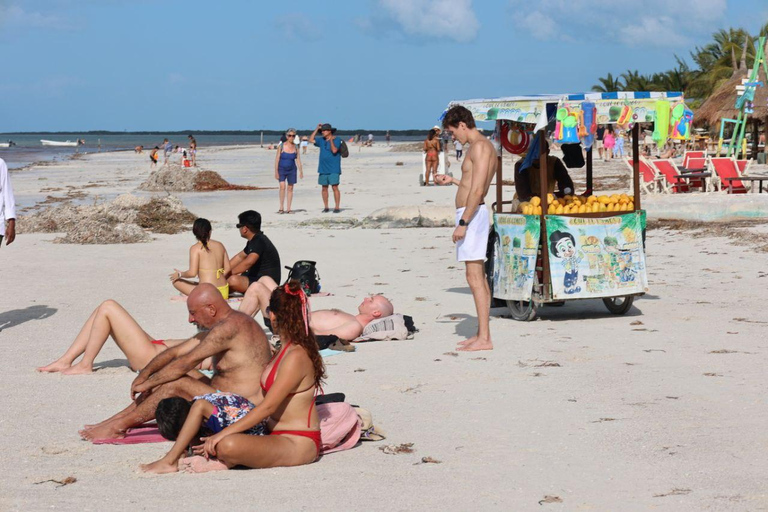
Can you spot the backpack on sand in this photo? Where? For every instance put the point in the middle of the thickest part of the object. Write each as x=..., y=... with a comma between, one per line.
x=340, y=427
x=305, y=272
x=343, y=149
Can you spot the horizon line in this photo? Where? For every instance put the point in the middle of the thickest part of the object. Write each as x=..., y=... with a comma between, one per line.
x=206, y=132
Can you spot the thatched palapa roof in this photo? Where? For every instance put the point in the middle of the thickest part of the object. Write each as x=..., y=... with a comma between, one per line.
x=722, y=103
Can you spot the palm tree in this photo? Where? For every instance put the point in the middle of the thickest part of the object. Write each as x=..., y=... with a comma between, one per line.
x=717, y=59
x=608, y=84
x=634, y=81
x=678, y=78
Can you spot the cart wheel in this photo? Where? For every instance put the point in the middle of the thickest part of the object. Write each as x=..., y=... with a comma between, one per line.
x=619, y=305
x=522, y=310
x=421, y=180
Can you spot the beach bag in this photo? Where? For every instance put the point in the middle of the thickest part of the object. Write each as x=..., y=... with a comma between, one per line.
x=343, y=149
x=305, y=272
x=340, y=427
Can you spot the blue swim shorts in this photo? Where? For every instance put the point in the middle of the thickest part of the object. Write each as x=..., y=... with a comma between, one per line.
x=287, y=175
x=328, y=179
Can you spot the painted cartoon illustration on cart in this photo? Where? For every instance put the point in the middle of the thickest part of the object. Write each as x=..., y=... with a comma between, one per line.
x=596, y=257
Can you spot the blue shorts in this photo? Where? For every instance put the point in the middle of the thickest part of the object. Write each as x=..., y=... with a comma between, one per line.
x=328, y=179
x=287, y=174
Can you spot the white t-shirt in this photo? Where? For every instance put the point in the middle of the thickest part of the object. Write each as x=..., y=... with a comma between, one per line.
x=370, y=137
x=7, y=202
x=457, y=145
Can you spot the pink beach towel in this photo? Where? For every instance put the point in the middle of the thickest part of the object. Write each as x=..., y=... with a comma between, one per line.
x=139, y=435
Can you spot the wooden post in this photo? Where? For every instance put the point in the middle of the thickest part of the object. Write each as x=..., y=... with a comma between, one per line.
x=589, y=171
x=543, y=190
x=636, y=164
x=499, y=174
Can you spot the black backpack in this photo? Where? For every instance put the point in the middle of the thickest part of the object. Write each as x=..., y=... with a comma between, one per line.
x=343, y=149
x=304, y=271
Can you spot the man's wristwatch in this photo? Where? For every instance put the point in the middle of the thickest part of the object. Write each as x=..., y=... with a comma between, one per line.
x=462, y=222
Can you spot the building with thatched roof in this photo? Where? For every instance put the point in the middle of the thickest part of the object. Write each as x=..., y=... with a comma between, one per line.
x=722, y=103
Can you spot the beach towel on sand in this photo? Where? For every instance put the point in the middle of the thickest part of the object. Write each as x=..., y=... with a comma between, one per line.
x=138, y=435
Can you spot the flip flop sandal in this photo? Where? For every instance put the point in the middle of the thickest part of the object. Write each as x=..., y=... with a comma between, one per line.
x=280, y=212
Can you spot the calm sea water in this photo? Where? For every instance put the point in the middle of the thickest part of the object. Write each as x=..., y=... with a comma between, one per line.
x=29, y=150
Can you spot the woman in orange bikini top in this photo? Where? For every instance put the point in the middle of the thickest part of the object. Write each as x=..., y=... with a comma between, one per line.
x=289, y=385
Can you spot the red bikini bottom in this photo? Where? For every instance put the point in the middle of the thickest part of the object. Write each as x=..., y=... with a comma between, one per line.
x=314, y=435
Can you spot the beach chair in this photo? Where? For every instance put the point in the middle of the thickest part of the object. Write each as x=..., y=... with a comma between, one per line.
x=744, y=166
x=702, y=155
x=725, y=171
x=650, y=181
x=696, y=163
x=668, y=170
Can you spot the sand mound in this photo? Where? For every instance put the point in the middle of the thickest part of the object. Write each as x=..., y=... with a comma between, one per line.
x=175, y=178
x=408, y=147
x=126, y=219
x=410, y=217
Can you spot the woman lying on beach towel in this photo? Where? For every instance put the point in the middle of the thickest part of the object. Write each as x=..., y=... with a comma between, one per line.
x=111, y=319
x=286, y=401
x=208, y=260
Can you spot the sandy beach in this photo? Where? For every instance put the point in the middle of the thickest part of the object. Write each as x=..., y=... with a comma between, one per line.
x=662, y=408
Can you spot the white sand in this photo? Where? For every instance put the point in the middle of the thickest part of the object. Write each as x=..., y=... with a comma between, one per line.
x=628, y=421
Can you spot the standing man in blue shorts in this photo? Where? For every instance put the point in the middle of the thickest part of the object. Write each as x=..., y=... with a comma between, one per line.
x=329, y=167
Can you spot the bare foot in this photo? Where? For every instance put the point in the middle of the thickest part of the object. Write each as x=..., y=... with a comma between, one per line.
x=102, y=432
x=466, y=342
x=159, y=467
x=78, y=369
x=54, y=367
x=478, y=344
x=199, y=464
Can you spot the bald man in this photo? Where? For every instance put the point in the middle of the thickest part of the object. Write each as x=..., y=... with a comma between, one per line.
x=323, y=322
x=236, y=343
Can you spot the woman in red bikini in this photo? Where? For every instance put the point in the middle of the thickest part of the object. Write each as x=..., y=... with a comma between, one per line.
x=289, y=385
x=432, y=151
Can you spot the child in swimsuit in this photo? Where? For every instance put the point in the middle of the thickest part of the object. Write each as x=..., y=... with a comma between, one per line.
x=184, y=422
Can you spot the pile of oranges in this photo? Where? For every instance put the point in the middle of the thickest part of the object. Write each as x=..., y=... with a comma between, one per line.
x=578, y=204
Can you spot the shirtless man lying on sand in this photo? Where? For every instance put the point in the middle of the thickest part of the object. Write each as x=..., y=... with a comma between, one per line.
x=111, y=319
x=239, y=349
x=323, y=322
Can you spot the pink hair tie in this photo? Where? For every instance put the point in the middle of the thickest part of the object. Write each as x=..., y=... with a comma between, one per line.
x=305, y=313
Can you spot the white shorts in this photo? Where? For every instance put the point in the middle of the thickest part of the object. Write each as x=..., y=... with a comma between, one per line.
x=474, y=245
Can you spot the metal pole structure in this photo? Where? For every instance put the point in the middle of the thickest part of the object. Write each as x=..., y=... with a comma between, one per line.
x=499, y=174
x=262, y=140
x=543, y=184
x=589, y=171
x=636, y=163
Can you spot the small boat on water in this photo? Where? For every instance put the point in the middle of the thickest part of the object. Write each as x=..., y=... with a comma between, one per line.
x=8, y=144
x=67, y=143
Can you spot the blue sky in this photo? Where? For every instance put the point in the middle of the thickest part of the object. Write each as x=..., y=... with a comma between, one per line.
x=384, y=64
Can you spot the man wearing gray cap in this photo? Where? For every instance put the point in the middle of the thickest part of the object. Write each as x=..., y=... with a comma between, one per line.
x=329, y=166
